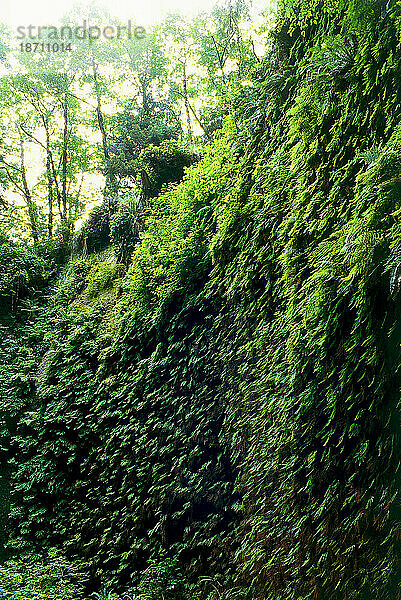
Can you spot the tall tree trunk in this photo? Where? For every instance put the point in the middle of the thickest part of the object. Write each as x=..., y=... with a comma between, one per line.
x=144, y=86
x=198, y=120
x=64, y=157
x=111, y=184
x=49, y=182
x=49, y=198
x=52, y=173
x=74, y=215
x=31, y=206
x=99, y=113
x=186, y=101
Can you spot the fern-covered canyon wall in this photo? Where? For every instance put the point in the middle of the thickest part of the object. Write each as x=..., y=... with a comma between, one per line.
x=223, y=414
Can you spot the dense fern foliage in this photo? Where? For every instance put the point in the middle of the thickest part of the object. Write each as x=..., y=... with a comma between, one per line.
x=225, y=412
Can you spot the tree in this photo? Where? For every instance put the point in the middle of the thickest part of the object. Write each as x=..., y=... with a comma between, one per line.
x=223, y=49
x=184, y=82
x=48, y=119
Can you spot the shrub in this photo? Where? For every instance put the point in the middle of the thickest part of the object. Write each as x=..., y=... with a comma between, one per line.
x=21, y=270
x=162, y=579
x=125, y=226
x=94, y=234
x=165, y=163
x=49, y=578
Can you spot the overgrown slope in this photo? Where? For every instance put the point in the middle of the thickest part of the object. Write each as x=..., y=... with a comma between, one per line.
x=234, y=397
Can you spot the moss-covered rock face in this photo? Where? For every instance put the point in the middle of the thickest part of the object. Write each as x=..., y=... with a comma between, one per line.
x=224, y=415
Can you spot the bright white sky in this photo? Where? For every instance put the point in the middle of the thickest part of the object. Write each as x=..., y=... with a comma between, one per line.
x=142, y=12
